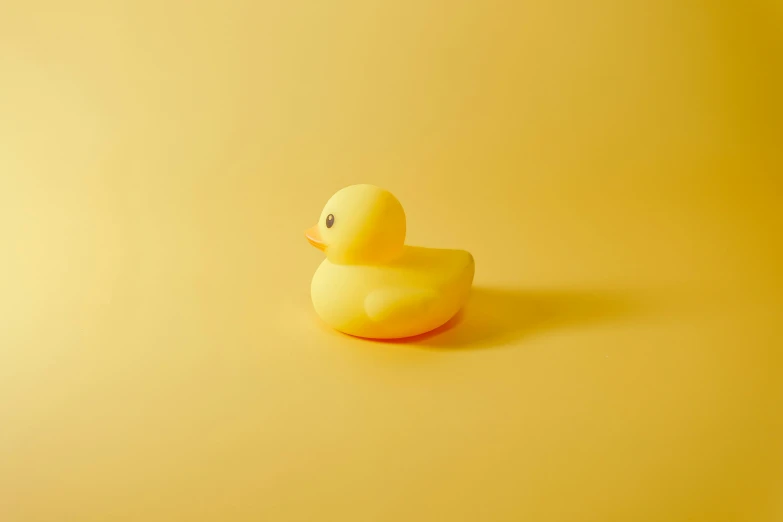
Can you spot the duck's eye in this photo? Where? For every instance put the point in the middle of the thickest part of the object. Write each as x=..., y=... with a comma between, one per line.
x=330, y=221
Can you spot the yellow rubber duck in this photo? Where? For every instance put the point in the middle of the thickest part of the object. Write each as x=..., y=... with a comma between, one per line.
x=373, y=285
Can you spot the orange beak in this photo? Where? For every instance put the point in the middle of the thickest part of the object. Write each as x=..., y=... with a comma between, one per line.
x=313, y=235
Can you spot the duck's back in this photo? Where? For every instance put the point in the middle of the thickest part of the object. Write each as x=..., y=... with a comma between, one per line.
x=418, y=292
x=434, y=266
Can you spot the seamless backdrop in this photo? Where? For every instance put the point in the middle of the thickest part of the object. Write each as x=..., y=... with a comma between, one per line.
x=614, y=167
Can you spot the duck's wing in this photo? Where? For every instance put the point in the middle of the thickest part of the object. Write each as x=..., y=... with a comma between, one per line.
x=399, y=303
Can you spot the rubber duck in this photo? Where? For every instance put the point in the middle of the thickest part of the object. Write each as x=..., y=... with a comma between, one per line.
x=371, y=283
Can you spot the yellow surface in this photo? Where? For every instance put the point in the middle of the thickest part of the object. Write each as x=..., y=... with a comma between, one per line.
x=614, y=167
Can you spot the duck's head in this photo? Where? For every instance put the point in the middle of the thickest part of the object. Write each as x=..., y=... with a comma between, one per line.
x=360, y=224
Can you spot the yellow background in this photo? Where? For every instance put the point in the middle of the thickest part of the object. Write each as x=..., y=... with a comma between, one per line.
x=613, y=166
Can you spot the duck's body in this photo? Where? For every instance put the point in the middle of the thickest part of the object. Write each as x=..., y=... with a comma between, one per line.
x=415, y=293
x=373, y=285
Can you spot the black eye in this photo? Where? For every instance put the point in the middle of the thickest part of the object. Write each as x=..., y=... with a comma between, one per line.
x=330, y=221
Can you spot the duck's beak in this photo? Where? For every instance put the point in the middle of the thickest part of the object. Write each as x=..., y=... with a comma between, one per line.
x=313, y=235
